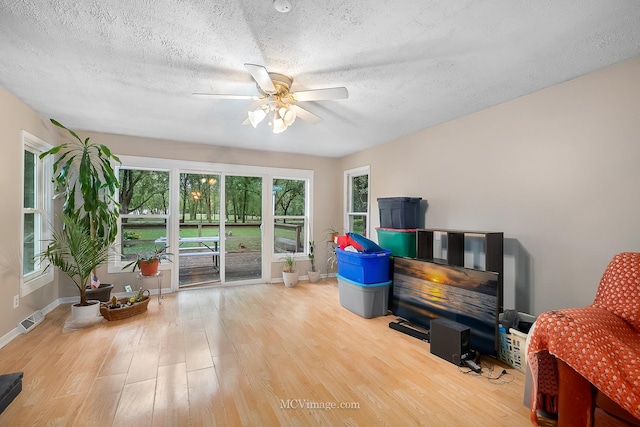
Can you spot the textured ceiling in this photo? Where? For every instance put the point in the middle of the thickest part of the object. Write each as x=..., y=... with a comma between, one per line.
x=130, y=66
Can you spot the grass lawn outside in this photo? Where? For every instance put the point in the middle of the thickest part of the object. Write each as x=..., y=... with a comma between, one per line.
x=241, y=237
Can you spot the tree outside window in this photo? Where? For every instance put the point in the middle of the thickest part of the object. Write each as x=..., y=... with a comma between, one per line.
x=290, y=220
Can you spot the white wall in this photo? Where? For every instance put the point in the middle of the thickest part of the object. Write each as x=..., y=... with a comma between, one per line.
x=557, y=171
x=16, y=116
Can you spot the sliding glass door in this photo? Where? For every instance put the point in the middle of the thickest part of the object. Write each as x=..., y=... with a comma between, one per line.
x=243, y=228
x=215, y=218
x=199, y=250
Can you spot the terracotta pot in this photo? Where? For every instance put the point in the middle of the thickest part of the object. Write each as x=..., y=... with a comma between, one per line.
x=149, y=268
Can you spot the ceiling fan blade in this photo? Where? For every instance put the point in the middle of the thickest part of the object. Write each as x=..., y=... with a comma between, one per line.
x=322, y=94
x=305, y=115
x=261, y=76
x=224, y=96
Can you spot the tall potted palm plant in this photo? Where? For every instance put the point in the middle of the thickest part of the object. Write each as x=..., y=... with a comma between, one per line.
x=76, y=253
x=84, y=175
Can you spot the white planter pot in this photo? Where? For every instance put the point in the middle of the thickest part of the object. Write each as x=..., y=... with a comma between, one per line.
x=87, y=312
x=314, y=276
x=290, y=278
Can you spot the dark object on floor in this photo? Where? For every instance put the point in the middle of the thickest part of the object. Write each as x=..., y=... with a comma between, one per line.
x=10, y=387
x=101, y=293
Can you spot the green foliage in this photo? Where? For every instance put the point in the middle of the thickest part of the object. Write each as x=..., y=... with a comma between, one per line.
x=143, y=190
x=159, y=254
x=289, y=197
x=243, y=195
x=289, y=264
x=84, y=175
x=130, y=235
x=85, y=169
x=74, y=252
x=360, y=195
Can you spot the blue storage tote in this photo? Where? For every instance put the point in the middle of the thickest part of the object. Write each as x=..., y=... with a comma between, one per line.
x=365, y=300
x=399, y=212
x=364, y=267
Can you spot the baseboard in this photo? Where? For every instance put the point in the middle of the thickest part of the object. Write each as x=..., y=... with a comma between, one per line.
x=15, y=332
x=9, y=336
x=281, y=280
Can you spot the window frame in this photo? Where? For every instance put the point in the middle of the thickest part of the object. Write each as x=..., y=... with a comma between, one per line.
x=177, y=166
x=305, y=218
x=42, y=275
x=118, y=264
x=348, y=198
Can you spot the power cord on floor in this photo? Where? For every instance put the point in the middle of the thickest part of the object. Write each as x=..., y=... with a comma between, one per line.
x=488, y=372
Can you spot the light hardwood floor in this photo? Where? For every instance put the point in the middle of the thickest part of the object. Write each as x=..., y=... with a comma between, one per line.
x=258, y=355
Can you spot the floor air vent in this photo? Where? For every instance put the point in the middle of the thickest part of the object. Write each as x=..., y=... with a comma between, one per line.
x=31, y=322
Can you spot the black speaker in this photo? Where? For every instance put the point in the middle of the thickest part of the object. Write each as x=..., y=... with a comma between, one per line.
x=450, y=340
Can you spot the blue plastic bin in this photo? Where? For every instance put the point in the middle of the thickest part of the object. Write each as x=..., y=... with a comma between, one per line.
x=365, y=267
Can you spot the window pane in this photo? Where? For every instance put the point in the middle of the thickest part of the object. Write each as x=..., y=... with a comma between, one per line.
x=288, y=197
x=357, y=224
x=29, y=179
x=289, y=235
x=144, y=192
x=30, y=242
x=243, y=199
x=360, y=193
x=140, y=235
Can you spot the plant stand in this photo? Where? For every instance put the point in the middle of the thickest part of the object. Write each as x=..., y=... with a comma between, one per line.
x=158, y=277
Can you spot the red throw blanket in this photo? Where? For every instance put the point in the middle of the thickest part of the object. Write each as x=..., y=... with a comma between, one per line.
x=596, y=343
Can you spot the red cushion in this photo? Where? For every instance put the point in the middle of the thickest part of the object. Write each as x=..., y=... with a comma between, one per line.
x=619, y=290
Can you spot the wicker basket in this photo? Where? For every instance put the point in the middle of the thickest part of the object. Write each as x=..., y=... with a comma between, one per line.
x=126, y=311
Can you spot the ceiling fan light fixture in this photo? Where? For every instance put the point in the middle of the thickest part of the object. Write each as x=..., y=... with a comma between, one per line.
x=288, y=115
x=255, y=117
x=279, y=125
x=282, y=6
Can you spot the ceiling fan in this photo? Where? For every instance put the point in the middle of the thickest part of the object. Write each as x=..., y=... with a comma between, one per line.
x=275, y=97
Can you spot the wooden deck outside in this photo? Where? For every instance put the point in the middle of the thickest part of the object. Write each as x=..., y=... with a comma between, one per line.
x=240, y=265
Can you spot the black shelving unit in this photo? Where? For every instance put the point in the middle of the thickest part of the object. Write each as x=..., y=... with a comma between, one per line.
x=493, y=250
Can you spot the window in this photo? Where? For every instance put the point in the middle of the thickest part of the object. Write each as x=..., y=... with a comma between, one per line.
x=357, y=200
x=36, y=213
x=144, y=211
x=288, y=207
x=289, y=215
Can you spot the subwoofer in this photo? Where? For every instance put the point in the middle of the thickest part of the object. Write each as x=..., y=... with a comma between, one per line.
x=450, y=340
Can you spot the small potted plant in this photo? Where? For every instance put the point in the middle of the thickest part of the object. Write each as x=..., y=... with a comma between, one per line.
x=148, y=262
x=332, y=233
x=289, y=273
x=314, y=276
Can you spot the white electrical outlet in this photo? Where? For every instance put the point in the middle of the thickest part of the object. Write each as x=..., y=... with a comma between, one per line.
x=16, y=301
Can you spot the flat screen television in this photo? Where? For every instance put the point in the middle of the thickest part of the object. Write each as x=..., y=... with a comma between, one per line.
x=424, y=290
